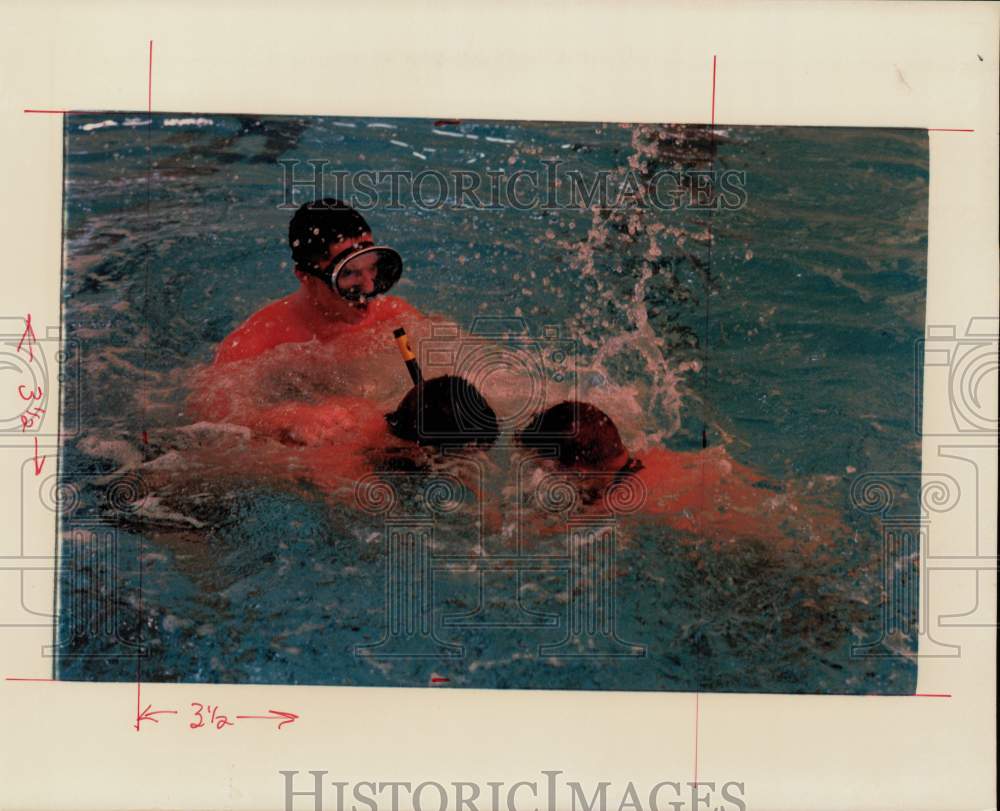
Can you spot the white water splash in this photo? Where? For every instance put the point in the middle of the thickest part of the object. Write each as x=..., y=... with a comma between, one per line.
x=188, y=122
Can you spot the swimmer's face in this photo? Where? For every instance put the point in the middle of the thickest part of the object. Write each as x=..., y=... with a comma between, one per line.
x=361, y=278
x=360, y=275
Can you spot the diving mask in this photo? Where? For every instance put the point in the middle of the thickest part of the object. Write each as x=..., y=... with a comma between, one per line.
x=363, y=271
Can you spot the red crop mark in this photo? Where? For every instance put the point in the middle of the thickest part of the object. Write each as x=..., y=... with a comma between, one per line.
x=138, y=659
x=696, y=720
x=35, y=412
x=149, y=86
x=29, y=336
x=713, y=90
x=149, y=714
x=39, y=463
x=275, y=715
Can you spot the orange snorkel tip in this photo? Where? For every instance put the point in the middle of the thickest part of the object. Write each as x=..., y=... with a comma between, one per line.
x=410, y=359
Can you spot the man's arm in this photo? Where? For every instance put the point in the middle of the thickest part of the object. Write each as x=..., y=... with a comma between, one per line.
x=333, y=420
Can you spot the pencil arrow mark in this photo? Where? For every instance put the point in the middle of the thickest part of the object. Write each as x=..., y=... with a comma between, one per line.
x=289, y=717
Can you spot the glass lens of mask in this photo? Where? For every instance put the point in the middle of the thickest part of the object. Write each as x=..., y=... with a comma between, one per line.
x=367, y=273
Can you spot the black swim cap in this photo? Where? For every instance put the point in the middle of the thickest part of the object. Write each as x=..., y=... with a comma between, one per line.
x=583, y=435
x=444, y=410
x=319, y=224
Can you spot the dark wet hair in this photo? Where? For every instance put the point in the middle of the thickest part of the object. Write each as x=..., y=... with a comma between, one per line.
x=319, y=224
x=444, y=410
x=582, y=434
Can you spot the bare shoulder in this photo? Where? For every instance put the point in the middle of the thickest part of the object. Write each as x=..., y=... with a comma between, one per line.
x=270, y=326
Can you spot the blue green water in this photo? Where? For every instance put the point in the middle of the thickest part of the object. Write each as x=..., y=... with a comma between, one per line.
x=787, y=337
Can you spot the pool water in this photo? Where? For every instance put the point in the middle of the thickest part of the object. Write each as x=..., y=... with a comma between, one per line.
x=780, y=334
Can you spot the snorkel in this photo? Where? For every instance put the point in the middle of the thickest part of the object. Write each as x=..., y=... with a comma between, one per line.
x=442, y=412
x=403, y=342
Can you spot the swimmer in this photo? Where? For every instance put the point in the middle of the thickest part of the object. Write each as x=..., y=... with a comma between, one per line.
x=585, y=440
x=443, y=413
x=305, y=358
x=704, y=493
x=442, y=424
x=343, y=279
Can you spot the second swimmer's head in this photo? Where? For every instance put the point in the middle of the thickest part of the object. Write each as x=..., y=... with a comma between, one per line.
x=582, y=436
x=585, y=442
